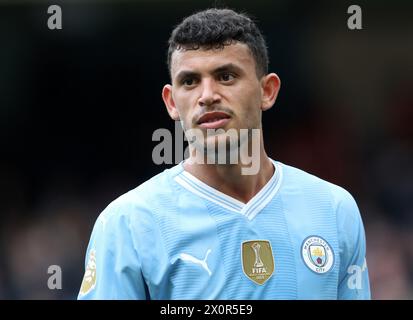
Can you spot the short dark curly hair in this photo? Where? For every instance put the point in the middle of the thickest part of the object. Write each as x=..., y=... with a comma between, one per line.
x=215, y=28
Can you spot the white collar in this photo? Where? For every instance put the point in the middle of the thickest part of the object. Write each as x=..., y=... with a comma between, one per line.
x=249, y=209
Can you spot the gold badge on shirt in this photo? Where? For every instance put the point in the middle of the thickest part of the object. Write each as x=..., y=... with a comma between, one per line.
x=257, y=260
x=89, y=279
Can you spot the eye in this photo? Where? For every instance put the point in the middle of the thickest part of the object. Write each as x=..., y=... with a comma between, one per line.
x=226, y=77
x=188, y=82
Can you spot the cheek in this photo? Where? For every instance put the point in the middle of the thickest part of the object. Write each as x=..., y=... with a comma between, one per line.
x=184, y=99
x=251, y=91
x=183, y=102
x=251, y=108
x=251, y=101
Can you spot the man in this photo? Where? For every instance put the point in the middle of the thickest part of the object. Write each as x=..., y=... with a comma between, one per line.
x=210, y=230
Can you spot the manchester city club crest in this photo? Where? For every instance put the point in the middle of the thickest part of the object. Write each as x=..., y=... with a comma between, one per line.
x=317, y=254
x=257, y=260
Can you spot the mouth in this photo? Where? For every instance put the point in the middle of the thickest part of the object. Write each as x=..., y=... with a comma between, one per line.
x=213, y=120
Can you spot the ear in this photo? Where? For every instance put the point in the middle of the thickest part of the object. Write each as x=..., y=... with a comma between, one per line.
x=169, y=102
x=270, y=85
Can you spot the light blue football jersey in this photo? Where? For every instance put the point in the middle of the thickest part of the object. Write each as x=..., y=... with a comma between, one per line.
x=174, y=237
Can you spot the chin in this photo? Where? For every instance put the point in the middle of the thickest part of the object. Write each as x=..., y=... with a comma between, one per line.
x=221, y=143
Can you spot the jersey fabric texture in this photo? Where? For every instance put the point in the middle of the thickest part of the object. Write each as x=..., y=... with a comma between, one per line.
x=175, y=237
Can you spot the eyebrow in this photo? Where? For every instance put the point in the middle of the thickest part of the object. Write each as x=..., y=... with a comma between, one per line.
x=226, y=67
x=186, y=74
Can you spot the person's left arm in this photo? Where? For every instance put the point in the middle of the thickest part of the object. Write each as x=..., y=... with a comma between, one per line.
x=353, y=278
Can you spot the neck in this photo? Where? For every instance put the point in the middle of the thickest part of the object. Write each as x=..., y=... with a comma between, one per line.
x=229, y=178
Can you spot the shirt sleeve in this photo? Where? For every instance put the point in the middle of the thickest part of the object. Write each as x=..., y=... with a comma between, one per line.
x=353, y=279
x=113, y=267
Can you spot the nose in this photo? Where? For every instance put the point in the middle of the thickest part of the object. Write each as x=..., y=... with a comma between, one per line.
x=209, y=94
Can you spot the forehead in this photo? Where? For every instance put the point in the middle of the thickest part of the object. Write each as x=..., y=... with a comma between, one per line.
x=204, y=60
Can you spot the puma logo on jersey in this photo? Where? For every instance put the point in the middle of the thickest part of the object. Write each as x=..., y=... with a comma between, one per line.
x=202, y=263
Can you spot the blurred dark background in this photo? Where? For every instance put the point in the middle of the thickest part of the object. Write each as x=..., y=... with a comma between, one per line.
x=78, y=107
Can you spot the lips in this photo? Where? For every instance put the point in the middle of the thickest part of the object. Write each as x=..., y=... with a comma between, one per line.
x=213, y=120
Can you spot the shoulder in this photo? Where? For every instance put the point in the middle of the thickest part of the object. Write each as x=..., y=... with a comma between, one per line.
x=340, y=199
x=335, y=201
x=137, y=205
